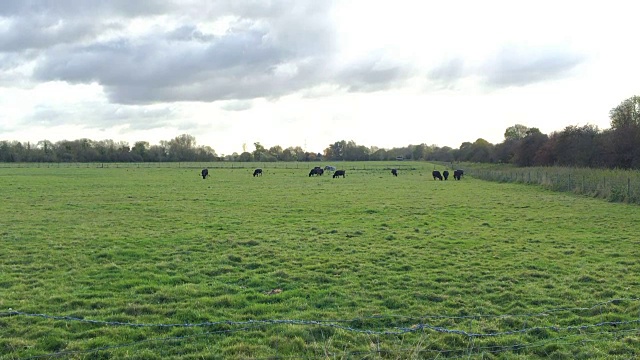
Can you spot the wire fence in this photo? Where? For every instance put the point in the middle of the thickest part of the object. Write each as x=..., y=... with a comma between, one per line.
x=612, y=185
x=604, y=329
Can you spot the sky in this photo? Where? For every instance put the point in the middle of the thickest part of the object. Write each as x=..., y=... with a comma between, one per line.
x=311, y=72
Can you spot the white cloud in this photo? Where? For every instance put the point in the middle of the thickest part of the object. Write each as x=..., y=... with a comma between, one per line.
x=294, y=72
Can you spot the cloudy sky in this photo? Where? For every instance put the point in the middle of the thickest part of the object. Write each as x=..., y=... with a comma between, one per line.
x=311, y=72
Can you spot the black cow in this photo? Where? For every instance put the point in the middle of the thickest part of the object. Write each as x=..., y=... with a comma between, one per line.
x=436, y=175
x=316, y=171
x=394, y=172
x=458, y=174
x=339, y=173
x=445, y=174
x=205, y=173
x=257, y=172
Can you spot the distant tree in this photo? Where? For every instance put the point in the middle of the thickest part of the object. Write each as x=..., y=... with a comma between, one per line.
x=17, y=151
x=505, y=151
x=464, y=151
x=66, y=151
x=123, y=152
x=443, y=154
x=528, y=147
x=418, y=152
x=288, y=154
x=395, y=153
x=378, y=154
x=577, y=146
x=45, y=145
x=276, y=152
x=625, y=135
x=624, y=147
x=182, y=148
x=140, y=150
x=88, y=151
x=626, y=114
x=205, y=153
x=481, y=151
x=245, y=157
x=355, y=152
x=310, y=156
x=547, y=154
x=515, y=132
x=260, y=152
x=299, y=153
x=105, y=150
x=6, y=152
x=45, y=151
x=232, y=157
x=336, y=151
x=158, y=153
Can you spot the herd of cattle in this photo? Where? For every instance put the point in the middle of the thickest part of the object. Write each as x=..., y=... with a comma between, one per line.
x=457, y=174
x=318, y=171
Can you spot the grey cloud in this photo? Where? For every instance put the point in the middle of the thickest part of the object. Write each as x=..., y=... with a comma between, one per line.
x=45, y=116
x=187, y=126
x=11, y=60
x=271, y=49
x=42, y=32
x=366, y=78
x=157, y=62
x=42, y=24
x=237, y=105
x=100, y=116
x=73, y=8
x=182, y=64
x=512, y=65
x=374, y=72
x=448, y=72
x=520, y=65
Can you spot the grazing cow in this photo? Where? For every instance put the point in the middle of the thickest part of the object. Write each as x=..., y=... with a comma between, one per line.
x=436, y=175
x=339, y=173
x=257, y=172
x=205, y=173
x=458, y=174
x=394, y=172
x=316, y=171
x=329, y=168
x=445, y=174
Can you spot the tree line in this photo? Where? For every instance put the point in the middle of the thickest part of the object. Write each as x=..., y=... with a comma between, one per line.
x=580, y=146
x=182, y=148
x=574, y=146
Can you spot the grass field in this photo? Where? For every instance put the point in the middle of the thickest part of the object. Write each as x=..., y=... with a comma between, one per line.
x=149, y=263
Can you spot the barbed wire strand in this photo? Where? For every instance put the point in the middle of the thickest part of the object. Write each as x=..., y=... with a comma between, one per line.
x=498, y=349
x=422, y=326
x=464, y=353
x=315, y=322
x=397, y=331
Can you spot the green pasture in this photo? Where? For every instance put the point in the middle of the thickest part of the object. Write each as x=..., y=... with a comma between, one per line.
x=369, y=266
